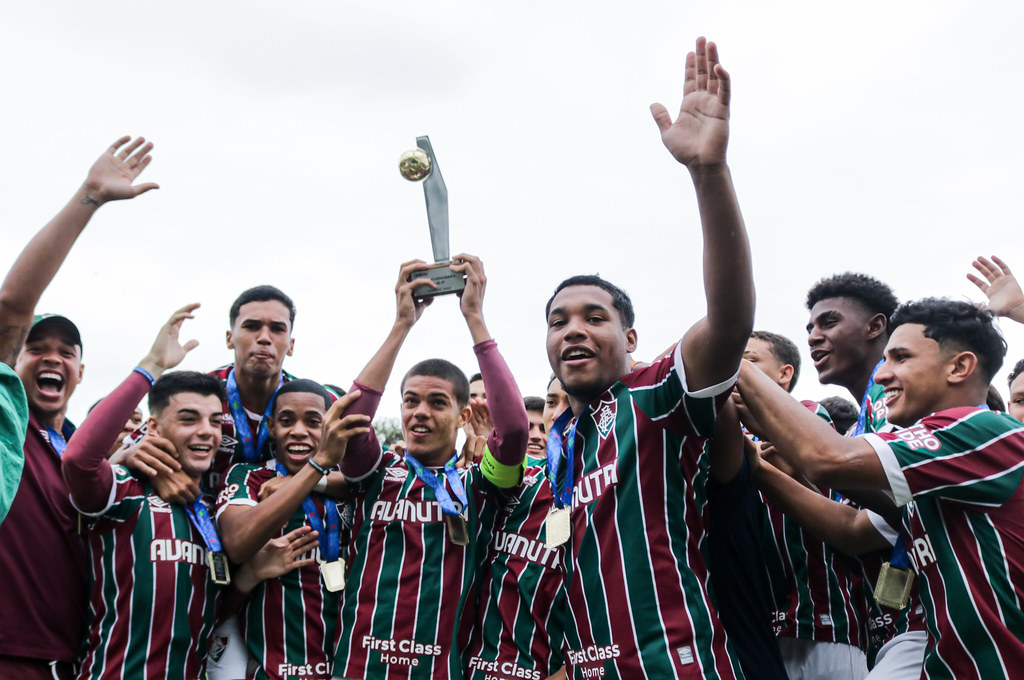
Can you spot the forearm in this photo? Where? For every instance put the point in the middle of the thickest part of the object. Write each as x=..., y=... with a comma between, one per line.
x=363, y=451
x=84, y=465
x=507, y=441
x=377, y=371
x=841, y=526
x=246, y=529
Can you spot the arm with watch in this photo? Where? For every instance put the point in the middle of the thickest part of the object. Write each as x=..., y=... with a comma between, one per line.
x=246, y=528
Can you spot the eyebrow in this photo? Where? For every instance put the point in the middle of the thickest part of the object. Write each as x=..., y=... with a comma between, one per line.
x=817, y=319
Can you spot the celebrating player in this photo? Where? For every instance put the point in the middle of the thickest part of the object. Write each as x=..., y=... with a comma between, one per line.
x=631, y=469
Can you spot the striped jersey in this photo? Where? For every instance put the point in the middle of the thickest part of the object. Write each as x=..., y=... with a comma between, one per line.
x=638, y=602
x=521, y=618
x=151, y=604
x=410, y=601
x=291, y=624
x=819, y=591
x=962, y=469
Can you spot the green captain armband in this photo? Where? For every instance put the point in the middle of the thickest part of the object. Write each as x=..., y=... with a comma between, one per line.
x=501, y=475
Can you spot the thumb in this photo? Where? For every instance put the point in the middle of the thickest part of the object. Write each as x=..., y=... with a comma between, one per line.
x=190, y=345
x=143, y=188
x=661, y=116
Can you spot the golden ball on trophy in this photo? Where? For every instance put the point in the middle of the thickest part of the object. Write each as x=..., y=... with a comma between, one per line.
x=414, y=165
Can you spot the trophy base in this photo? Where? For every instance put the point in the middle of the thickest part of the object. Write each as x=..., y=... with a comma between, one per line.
x=446, y=280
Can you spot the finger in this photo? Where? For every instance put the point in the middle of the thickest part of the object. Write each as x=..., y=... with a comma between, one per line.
x=144, y=468
x=161, y=467
x=724, y=85
x=141, y=165
x=305, y=562
x=188, y=309
x=190, y=345
x=303, y=545
x=661, y=117
x=690, y=75
x=139, y=156
x=354, y=419
x=116, y=145
x=978, y=282
x=1002, y=265
x=702, y=63
x=712, y=65
x=143, y=188
x=127, y=151
x=164, y=451
x=987, y=269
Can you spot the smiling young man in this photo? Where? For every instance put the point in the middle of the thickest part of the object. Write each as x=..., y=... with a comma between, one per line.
x=955, y=468
x=536, y=448
x=43, y=571
x=421, y=525
x=630, y=481
x=291, y=625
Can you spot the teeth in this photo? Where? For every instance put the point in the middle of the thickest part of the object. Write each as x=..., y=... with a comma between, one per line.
x=420, y=428
x=199, y=448
x=300, y=448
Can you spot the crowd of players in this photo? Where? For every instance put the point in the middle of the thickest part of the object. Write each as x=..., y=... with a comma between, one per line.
x=684, y=518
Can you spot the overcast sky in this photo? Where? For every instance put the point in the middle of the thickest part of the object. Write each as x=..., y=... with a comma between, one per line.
x=882, y=137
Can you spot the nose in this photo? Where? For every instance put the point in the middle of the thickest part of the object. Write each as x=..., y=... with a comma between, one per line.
x=884, y=373
x=575, y=327
x=263, y=337
x=815, y=336
x=299, y=430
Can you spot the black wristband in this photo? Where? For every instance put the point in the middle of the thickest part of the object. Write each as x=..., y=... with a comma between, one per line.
x=317, y=466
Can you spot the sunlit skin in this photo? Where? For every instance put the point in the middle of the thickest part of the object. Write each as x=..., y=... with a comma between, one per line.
x=296, y=428
x=587, y=346
x=759, y=353
x=192, y=423
x=555, y=402
x=1016, y=406
x=50, y=368
x=431, y=419
x=476, y=390
x=537, y=443
x=844, y=339
x=921, y=377
x=261, y=338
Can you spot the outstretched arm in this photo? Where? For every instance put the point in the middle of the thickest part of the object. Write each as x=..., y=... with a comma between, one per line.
x=84, y=465
x=364, y=452
x=109, y=179
x=1001, y=287
x=698, y=139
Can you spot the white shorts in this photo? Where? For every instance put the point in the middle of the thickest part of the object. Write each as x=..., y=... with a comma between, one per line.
x=901, y=657
x=811, y=660
x=228, y=657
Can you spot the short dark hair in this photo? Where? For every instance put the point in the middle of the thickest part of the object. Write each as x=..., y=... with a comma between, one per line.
x=874, y=295
x=177, y=382
x=843, y=412
x=994, y=400
x=784, y=350
x=475, y=377
x=261, y=294
x=620, y=299
x=533, y=404
x=446, y=370
x=1018, y=368
x=302, y=385
x=958, y=324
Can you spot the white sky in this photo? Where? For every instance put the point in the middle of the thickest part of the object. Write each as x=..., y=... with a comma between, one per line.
x=880, y=137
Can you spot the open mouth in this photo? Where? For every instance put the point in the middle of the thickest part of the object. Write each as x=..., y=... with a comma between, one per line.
x=200, y=450
x=50, y=383
x=892, y=395
x=535, y=446
x=820, y=356
x=419, y=430
x=299, y=452
x=577, y=354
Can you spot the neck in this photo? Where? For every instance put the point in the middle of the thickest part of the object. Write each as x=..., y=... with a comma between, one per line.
x=434, y=459
x=858, y=384
x=256, y=391
x=53, y=420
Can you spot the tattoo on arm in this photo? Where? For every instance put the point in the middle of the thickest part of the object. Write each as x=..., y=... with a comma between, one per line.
x=89, y=200
x=11, y=340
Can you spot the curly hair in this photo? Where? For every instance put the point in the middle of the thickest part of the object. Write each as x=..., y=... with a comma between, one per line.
x=876, y=296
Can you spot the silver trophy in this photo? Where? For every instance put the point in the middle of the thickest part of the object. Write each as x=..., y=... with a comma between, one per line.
x=420, y=164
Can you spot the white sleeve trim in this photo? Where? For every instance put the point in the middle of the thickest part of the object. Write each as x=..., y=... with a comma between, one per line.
x=110, y=498
x=235, y=501
x=893, y=471
x=373, y=468
x=884, y=528
x=703, y=393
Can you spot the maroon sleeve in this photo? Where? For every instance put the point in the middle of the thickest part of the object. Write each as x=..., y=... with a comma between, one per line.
x=507, y=441
x=363, y=453
x=84, y=465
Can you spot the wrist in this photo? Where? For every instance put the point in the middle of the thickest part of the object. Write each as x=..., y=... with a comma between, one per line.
x=150, y=365
x=708, y=172
x=321, y=466
x=90, y=195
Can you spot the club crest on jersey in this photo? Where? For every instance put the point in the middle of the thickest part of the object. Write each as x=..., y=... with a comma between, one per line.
x=396, y=474
x=605, y=418
x=157, y=504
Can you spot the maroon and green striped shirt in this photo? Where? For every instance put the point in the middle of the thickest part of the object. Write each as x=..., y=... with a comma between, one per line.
x=957, y=473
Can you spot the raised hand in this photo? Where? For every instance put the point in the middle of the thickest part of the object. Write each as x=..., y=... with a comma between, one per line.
x=409, y=308
x=700, y=134
x=285, y=553
x=1002, y=289
x=111, y=176
x=471, y=300
x=167, y=351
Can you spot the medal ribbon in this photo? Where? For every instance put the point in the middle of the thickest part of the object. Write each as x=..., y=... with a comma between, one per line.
x=250, y=452
x=440, y=492
x=329, y=539
x=554, y=454
x=862, y=417
x=201, y=520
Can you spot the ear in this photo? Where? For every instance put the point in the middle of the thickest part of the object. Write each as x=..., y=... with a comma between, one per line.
x=961, y=367
x=231, y=345
x=81, y=371
x=877, y=326
x=291, y=347
x=465, y=413
x=785, y=374
x=152, y=426
x=631, y=340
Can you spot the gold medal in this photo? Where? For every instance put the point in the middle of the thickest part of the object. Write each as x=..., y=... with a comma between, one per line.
x=333, y=574
x=893, y=587
x=457, y=530
x=218, y=564
x=557, y=526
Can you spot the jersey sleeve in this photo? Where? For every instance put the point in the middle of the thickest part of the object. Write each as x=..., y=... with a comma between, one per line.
x=126, y=495
x=966, y=454
x=241, y=487
x=660, y=391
